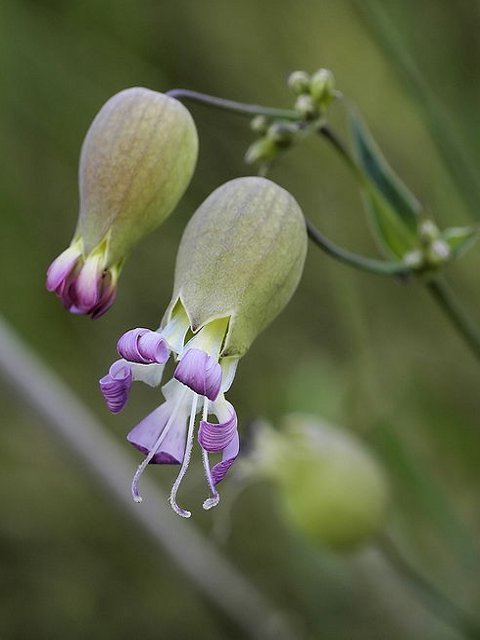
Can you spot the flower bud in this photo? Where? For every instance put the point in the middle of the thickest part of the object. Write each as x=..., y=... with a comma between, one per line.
x=259, y=124
x=299, y=82
x=241, y=257
x=136, y=162
x=331, y=487
x=306, y=107
x=262, y=150
x=322, y=86
x=282, y=133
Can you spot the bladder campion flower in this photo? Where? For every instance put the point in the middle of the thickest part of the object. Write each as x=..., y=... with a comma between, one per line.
x=238, y=264
x=137, y=159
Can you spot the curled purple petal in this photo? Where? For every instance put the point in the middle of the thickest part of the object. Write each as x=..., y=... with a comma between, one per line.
x=215, y=437
x=145, y=436
x=60, y=269
x=229, y=456
x=143, y=346
x=115, y=386
x=200, y=372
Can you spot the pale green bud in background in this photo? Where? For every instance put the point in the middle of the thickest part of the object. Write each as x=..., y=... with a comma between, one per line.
x=322, y=88
x=259, y=124
x=331, y=488
x=306, y=107
x=299, y=82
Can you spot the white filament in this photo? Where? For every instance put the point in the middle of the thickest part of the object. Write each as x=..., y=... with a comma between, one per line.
x=185, y=463
x=215, y=497
x=156, y=446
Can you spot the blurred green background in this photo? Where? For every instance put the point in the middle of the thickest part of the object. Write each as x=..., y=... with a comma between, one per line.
x=371, y=354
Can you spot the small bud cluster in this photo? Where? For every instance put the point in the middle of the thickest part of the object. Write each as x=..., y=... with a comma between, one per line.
x=433, y=250
x=314, y=93
x=275, y=136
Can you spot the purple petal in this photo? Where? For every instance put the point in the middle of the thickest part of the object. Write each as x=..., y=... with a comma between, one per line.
x=88, y=285
x=215, y=437
x=107, y=296
x=143, y=346
x=115, y=386
x=146, y=434
x=200, y=372
x=61, y=268
x=229, y=456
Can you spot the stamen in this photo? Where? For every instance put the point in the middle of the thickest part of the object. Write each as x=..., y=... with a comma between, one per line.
x=215, y=498
x=141, y=467
x=185, y=463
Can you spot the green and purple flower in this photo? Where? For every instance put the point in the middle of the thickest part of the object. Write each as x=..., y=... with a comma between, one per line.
x=137, y=159
x=238, y=264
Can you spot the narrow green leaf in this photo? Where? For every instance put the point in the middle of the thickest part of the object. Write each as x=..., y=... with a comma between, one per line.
x=393, y=208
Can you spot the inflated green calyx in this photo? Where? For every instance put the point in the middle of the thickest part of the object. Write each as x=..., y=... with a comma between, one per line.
x=241, y=257
x=136, y=162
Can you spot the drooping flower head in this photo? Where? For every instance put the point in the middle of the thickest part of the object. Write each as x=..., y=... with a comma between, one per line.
x=239, y=261
x=137, y=159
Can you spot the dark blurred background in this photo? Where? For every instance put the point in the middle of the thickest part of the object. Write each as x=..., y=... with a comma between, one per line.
x=368, y=353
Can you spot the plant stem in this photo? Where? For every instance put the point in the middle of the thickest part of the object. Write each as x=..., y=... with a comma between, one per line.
x=104, y=460
x=434, y=599
x=232, y=105
x=456, y=313
x=438, y=288
x=444, y=297
x=379, y=267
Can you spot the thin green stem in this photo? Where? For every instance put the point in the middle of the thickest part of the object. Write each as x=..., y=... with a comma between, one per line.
x=440, y=291
x=456, y=313
x=379, y=267
x=434, y=599
x=232, y=105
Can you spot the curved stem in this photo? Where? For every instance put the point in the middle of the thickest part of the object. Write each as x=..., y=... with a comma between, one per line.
x=456, y=313
x=438, y=288
x=379, y=267
x=434, y=599
x=232, y=105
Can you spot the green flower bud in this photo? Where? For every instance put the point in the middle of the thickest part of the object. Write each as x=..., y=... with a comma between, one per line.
x=241, y=257
x=299, y=82
x=322, y=87
x=262, y=150
x=437, y=254
x=136, y=162
x=331, y=488
x=306, y=107
x=259, y=124
x=428, y=231
x=282, y=133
